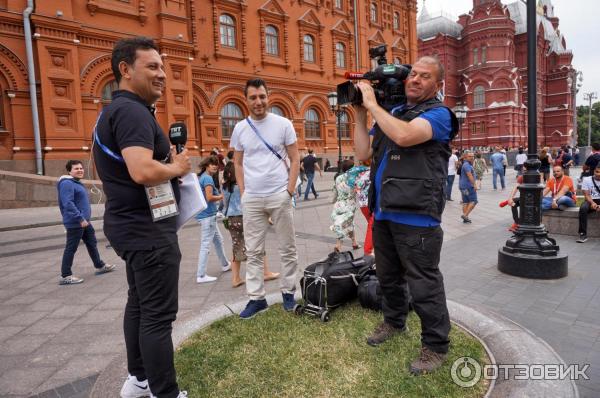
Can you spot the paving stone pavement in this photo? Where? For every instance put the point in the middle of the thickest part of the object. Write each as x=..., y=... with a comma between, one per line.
x=54, y=340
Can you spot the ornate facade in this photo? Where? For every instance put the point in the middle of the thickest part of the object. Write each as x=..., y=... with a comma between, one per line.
x=485, y=55
x=210, y=47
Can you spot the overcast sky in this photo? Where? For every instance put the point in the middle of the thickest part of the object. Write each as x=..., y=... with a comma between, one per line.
x=578, y=23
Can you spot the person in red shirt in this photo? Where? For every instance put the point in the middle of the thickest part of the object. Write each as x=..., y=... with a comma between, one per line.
x=561, y=189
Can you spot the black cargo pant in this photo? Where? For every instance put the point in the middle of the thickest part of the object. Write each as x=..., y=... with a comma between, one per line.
x=409, y=256
x=584, y=210
x=152, y=302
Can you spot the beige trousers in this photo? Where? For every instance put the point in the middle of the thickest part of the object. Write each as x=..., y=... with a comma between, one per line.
x=256, y=213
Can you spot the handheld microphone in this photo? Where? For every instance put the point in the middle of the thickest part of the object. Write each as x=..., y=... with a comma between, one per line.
x=178, y=135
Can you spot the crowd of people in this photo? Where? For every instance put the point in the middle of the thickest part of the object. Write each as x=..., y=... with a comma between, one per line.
x=560, y=190
x=403, y=178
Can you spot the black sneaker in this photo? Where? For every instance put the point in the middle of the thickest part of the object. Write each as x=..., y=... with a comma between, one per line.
x=382, y=333
x=582, y=238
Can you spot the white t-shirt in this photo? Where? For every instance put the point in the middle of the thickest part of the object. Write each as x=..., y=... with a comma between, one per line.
x=452, y=165
x=588, y=185
x=521, y=158
x=264, y=173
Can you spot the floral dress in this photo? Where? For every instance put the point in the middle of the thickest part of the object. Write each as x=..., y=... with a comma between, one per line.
x=344, y=206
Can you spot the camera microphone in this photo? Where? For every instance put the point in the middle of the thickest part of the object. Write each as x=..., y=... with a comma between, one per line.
x=178, y=135
x=354, y=75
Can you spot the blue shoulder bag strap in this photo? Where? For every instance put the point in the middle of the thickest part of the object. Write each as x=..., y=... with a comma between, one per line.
x=104, y=148
x=263, y=140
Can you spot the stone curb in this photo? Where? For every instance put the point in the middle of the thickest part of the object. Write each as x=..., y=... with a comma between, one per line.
x=505, y=341
x=510, y=343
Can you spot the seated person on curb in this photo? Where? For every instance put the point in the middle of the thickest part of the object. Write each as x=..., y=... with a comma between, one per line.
x=562, y=190
x=591, y=191
x=513, y=202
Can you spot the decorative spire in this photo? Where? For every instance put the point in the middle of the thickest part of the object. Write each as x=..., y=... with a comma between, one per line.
x=424, y=14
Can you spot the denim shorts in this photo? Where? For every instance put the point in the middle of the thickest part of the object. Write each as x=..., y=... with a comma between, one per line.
x=469, y=195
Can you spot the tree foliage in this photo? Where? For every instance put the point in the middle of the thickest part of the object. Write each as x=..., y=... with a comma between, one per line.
x=582, y=123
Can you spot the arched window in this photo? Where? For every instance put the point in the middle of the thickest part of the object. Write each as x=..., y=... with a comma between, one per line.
x=339, y=5
x=277, y=110
x=340, y=55
x=108, y=89
x=483, y=55
x=396, y=21
x=479, y=97
x=312, y=125
x=271, y=40
x=397, y=61
x=231, y=114
x=309, y=49
x=344, y=125
x=475, y=56
x=227, y=25
x=374, y=12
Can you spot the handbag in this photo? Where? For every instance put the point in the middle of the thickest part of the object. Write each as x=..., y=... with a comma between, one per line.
x=298, y=180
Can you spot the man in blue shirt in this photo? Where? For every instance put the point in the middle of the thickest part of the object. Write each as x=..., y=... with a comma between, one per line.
x=74, y=204
x=410, y=152
x=467, y=186
x=498, y=160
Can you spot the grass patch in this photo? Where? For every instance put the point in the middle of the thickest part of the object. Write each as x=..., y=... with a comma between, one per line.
x=279, y=354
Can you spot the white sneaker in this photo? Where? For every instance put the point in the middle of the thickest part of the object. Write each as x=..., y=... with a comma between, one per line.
x=205, y=279
x=227, y=267
x=133, y=388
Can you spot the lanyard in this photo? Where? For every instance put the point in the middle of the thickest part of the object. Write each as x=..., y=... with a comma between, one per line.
x=557, y=188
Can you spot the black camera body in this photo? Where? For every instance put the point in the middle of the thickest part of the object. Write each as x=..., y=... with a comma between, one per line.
x=386, y=79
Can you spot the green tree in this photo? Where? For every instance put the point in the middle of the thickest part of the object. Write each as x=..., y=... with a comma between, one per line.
x=582, y=123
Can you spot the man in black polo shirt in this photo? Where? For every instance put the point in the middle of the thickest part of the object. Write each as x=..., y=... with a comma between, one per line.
x=137, y=166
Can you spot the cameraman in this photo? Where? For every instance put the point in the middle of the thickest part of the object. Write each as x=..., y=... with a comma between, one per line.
x=410, y=152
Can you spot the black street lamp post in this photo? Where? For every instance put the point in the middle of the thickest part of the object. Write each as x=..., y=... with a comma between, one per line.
x=461, y=114
x=337, y=110
x=530, y=252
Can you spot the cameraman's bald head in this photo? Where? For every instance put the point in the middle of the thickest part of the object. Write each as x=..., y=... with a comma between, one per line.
x=429, y=60
x=425, y=80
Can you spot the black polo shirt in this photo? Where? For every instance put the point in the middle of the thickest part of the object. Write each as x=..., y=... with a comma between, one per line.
x=128, y=121
x=308, y=163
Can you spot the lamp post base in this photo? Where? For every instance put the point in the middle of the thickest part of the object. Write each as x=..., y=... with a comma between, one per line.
x=533, y=266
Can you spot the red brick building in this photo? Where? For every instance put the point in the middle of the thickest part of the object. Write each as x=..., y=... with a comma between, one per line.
x=210, y=48
x=485, y=55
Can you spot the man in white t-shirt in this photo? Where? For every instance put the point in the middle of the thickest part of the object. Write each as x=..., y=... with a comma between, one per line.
x=591, y=191
x=451, y=175
x=520, y=161
x=267, y=165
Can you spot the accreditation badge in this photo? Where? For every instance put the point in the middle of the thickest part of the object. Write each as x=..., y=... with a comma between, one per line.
x=161, y=200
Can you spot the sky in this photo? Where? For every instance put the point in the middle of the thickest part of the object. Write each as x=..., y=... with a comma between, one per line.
x=578, y=23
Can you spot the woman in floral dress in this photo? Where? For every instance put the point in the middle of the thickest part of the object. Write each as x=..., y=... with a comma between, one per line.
x=361, y=187
x=344, y=206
